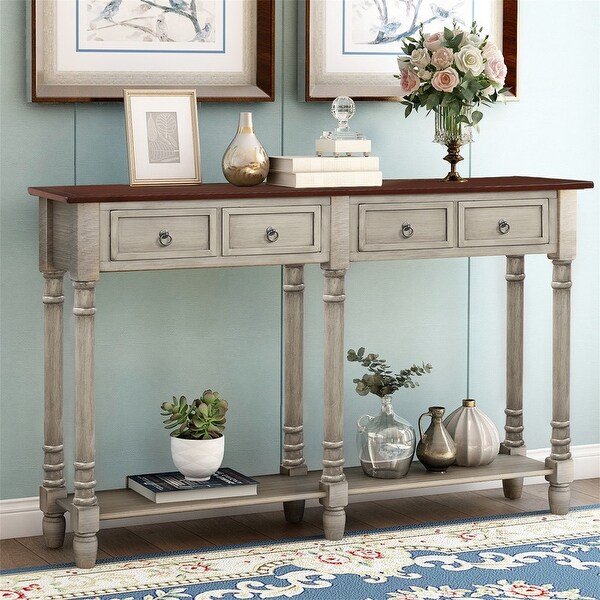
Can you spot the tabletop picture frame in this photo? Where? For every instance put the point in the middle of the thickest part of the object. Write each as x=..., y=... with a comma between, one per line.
x=163, y=142
x=85, y=51
x=337, y=65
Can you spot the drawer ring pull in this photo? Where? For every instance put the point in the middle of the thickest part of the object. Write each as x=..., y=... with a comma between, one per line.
x=165, y=238
x=407, y=230
x=272, y=234
x=503, y=226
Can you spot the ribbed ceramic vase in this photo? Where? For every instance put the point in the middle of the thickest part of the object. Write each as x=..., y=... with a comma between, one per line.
x=245, y=161
x=475, y=435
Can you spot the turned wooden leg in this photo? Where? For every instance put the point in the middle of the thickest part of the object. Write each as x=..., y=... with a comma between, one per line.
x=85, y=513
x=559, y=494
x=333, y=480
x=513, y=443
x=53, y=486
x=293, y=427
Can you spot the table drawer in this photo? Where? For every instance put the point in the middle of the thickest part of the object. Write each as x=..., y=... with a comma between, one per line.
x=163, y=234
x=503, y=223
x=405, y=226
x=271, y=230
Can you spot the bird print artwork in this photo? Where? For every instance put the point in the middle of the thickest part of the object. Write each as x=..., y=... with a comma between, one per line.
x=179, y=4
x=156, y=24
x=372, y=23
x=203, y=34
x=108, y=12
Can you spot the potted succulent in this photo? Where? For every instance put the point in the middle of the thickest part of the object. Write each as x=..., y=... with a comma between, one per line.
x=197, y=439
x=386, y=443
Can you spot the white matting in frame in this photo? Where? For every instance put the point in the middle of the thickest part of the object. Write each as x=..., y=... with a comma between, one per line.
x=163, y=143
x=92, y=49
x=353, y=45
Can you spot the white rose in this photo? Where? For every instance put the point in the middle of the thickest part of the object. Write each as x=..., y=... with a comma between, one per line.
x=471, y=38
x=403, y=62
x=420, y=57
x=424, y=74
x=469, y=58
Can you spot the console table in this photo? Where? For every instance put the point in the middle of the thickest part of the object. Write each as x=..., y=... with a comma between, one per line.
x=88, y=230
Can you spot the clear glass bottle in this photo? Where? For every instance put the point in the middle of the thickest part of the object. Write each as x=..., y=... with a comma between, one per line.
x=386, y=443
x=245, y=161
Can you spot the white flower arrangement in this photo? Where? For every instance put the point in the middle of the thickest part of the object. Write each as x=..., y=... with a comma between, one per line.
x=450, y=70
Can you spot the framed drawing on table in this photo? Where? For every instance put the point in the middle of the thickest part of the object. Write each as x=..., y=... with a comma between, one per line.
x=351, y=46
x=163, y=143
x=90, y=50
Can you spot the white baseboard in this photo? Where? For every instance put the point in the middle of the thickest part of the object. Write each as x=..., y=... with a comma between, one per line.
x=21, y=517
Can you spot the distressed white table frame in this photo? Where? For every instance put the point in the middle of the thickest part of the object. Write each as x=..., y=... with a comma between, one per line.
x=78, y=236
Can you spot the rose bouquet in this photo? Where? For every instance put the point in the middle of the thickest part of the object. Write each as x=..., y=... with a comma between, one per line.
x=450, y=70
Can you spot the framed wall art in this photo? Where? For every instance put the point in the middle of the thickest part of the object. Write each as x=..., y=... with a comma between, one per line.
x=163, y=144
x=90, y=50
x=351, y=46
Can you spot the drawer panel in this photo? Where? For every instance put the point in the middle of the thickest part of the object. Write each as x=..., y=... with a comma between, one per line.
x=405, y=226
x=503, y=223
x=136, y=234
x=268, y=230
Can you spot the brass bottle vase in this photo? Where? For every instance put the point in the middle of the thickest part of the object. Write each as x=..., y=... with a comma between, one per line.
x=436, y=449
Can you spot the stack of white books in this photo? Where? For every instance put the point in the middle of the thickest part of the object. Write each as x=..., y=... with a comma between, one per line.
x=324, y=171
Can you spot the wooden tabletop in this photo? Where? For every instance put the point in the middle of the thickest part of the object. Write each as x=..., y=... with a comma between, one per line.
x=214, y=191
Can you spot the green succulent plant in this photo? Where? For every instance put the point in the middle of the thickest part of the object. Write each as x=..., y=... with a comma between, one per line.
x=380, y=379
x=203, y=419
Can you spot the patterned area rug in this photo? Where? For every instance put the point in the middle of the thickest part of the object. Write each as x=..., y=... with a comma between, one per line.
x=536, y=555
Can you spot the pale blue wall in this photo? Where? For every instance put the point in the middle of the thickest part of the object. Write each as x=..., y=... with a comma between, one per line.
x=160, y=334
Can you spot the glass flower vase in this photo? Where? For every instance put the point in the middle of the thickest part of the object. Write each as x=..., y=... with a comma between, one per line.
x=453, y=131
x=245, y=161
x=386, y=443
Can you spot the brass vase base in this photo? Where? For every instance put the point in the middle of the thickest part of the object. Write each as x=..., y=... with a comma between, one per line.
x=453, y=157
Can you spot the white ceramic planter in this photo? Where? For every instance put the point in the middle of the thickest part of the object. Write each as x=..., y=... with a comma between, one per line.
x=197, y=460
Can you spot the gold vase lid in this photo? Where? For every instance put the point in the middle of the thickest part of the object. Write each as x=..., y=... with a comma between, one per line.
x=468, y=402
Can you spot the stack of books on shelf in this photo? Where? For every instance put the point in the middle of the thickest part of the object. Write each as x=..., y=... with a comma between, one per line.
x=174, y=487
x=324, y=171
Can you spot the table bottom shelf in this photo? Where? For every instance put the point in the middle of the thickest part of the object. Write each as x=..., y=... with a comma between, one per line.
x=123, y=503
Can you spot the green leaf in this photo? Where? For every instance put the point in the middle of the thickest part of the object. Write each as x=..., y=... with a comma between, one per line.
x=476, y=117
x=433, y=100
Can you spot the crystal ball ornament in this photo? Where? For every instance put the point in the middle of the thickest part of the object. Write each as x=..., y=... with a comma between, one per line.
x=343, y=109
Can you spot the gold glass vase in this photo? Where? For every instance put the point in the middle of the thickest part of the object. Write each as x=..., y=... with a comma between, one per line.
x=245, y=161
x=452, y=131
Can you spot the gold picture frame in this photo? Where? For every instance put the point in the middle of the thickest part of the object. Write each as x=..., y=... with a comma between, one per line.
x=163, y=142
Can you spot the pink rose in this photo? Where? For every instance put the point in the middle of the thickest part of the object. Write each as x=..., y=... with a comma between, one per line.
x=446, y=80
x=494, y=68
x=409, y=82
x=433, y=41
x=442, y=58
